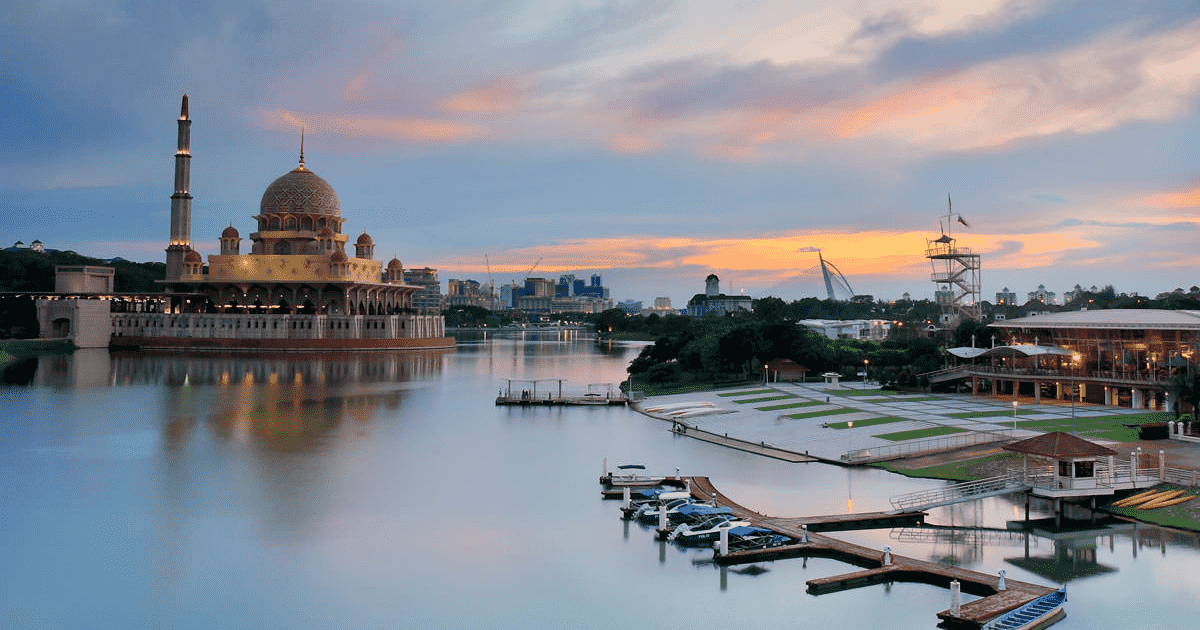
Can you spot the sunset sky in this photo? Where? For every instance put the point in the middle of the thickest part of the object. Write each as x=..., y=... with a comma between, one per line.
x=652, y=142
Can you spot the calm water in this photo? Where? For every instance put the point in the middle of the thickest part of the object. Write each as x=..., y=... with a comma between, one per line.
x=386, y=491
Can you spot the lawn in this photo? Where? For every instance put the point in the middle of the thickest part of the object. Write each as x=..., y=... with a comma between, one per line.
x=999, y=413
x=849, y=393
x=808, y=403
x=869, y=422
x=748, y=392
x=764, y=399
x=962, y=470
x=920, y=433
x=818, y=414
x=1111, y=427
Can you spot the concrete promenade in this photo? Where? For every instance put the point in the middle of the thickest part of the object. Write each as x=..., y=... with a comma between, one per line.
x=787, y=420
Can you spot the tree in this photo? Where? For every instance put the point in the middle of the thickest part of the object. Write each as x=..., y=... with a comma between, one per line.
x=1186, y=388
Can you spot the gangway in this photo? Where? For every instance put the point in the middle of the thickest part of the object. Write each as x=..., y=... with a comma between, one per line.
x=958, y=493
x=974, y=536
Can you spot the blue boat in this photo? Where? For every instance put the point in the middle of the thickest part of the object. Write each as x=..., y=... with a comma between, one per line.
x=705, y=531
x=1042, y=612
x=745, y=537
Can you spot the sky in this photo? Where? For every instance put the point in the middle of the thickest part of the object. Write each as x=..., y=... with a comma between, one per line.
x=652, y=142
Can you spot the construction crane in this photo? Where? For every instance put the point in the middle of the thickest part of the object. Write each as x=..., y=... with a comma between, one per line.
x=530, y=272
x=491, y=284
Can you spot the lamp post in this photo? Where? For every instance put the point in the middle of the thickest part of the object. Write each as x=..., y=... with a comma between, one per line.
x=1015, y=404
x=1074, y=368
x=866, y=370
x=849, y=438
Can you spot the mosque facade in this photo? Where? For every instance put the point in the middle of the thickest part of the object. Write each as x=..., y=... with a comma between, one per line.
x=296, y=287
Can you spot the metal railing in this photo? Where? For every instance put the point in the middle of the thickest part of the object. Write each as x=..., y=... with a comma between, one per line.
x=921, y=447
x=959, y=492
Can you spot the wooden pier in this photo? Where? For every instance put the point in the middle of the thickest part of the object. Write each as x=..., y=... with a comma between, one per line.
x=877, y=566
x=528, y=396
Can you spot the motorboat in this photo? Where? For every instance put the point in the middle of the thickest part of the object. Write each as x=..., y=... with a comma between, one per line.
x=745, y=537
x=669, y=502
x=705, y=531
x=631, y=475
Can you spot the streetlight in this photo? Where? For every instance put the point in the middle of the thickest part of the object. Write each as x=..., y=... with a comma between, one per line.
x=1015, y=404
x=866, y=370
x=849, y=438
x=1074, y=368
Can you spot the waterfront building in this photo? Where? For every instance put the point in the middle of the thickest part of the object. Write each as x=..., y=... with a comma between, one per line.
x=295, y=289
x=870, y=329
x=713, y=302
x=1004, y=297
x=1120, y=357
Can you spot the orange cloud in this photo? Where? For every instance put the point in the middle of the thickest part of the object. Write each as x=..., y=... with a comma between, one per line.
x=493, y=98
x=1185, y=199
x=379, y=127
x=874, y=253
x=632, y=144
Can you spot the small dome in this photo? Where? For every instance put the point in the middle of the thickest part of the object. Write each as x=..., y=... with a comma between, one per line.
x=230, y=232
x=394, y=264
x=300, y=191
x=338, y=256
x=193, y=256
x=364, y=240
x=325, y=232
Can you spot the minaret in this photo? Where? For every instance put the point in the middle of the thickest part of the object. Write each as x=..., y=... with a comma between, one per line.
x=181, y=200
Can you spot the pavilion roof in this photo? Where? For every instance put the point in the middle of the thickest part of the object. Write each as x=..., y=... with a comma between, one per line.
x=1059, y=445
x=785, y=364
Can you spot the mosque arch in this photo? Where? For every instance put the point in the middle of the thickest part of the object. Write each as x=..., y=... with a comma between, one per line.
x=306, y=224
x=274, y=226
x=290, y=223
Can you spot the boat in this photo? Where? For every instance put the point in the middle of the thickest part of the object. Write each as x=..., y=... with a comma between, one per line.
x=704, y=532
x=745, y=537
x=631, y=475
x=1039, y=613
x=668, y=501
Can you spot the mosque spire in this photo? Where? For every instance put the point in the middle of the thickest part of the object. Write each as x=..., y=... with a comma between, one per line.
x=183, y=112
x=301, y=167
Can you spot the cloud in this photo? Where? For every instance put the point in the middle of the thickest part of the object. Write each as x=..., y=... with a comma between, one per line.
x=1182, y=199
x=494, y=97
x=373, y=126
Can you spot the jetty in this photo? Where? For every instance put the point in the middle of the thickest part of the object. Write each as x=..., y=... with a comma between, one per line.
x=526, y=393
x=997, y=595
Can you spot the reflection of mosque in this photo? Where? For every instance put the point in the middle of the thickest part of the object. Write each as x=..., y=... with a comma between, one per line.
x=330, y=369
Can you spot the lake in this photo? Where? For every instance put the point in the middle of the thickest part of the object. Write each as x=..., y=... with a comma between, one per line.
x=386, y=490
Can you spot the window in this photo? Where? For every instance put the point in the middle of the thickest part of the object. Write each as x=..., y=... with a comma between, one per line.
x=1064, y=469
x=1085, y=469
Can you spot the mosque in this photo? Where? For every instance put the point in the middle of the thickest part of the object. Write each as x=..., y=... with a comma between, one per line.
x=296, y=289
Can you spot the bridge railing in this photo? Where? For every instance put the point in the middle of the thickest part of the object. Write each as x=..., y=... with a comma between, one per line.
x=958, y=492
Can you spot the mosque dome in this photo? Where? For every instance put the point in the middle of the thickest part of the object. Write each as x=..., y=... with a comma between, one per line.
x=300, y=191
x=338, y=256
x=193, y=256
x=395, y=264
x=364, y=240
x=230, y=232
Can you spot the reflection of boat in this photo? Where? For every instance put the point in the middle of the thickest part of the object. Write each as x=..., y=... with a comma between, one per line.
x=1039, y=613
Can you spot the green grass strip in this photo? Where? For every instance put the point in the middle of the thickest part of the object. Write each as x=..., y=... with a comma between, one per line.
x=920, y=433
x=869, y=422
x=990, y=414
x=963, y=470
x=860, y=392
x=748, y=393
x=764, y=399
x=818, y=414
x=809, y=403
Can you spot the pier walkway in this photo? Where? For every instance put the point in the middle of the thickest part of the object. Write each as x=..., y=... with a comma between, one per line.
x=997, y=595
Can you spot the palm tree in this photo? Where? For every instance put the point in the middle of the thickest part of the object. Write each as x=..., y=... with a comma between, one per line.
x=1186, y=388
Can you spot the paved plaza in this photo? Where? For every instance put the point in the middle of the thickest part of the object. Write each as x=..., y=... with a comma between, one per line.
x=828, y=421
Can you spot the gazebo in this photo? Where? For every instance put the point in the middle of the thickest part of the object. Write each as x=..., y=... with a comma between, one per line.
x=784, y=370
x=1067, y=467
